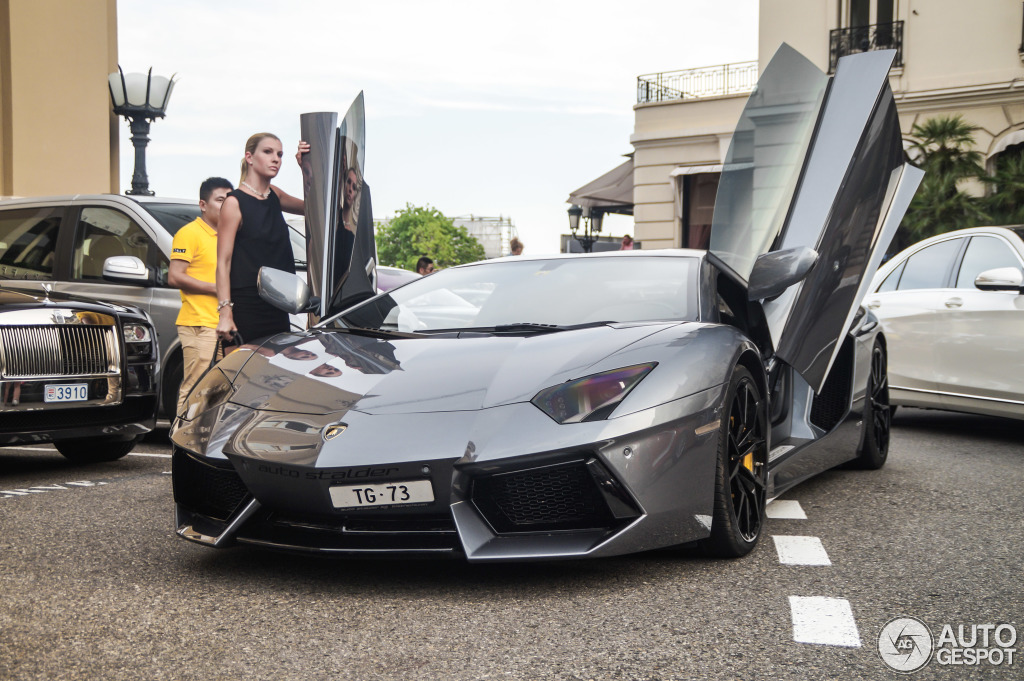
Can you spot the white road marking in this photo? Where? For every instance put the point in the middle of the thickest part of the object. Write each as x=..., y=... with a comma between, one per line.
x=800, y=550
x=155, y=456
x=824, y=621
x=40, y=489
x=785, y=509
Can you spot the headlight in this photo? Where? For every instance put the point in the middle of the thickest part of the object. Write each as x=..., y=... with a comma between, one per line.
x=212, y=390
x=136, y=333
x=591, y=398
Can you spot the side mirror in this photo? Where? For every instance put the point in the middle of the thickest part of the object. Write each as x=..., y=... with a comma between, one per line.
x=127, y=269
x=285, y=291
x=774, y=272
x=1000, y=279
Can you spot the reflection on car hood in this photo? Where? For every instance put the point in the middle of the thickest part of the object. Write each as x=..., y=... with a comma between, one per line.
x=323, y=372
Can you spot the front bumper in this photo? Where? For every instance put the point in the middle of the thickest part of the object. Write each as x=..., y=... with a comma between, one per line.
x=600, y=488
x=24, y=424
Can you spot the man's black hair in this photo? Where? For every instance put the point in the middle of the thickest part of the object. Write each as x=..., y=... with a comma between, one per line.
x=211, y=183
x=423, y=262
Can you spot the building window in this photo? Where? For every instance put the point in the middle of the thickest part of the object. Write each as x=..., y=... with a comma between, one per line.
x=869, y=25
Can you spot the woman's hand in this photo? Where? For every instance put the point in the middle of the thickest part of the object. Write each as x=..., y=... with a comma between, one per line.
x=303, y=149
x=226, y=324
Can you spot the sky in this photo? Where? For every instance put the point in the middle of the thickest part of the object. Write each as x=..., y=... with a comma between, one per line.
x=489, y=108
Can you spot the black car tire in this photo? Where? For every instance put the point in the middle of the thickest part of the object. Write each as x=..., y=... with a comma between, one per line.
x=874, y=448
x=96, y=449
x=171, y=385
x=741, y=474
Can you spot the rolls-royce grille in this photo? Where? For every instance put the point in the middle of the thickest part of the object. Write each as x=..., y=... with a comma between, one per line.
x=205, y=489
x=72, y=350
x=560, y=497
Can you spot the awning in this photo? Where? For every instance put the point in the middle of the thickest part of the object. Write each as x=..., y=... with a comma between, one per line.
x=693, y=170
x=1015, y=137
x=612, y=192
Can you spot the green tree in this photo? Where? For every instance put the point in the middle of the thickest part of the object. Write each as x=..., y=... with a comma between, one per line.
x=943, y=148
x=417, y=231
x=1005, y=204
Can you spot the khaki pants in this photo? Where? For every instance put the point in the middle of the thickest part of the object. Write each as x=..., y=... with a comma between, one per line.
x=197, y=346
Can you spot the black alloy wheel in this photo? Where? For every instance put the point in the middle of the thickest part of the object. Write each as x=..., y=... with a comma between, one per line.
x=742, y=474
x=874, y=449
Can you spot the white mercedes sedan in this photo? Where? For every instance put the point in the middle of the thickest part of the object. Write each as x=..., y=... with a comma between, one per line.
x=952, y=308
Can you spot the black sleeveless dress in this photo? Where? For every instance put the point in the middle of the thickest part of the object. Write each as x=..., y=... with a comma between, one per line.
x=262, y=239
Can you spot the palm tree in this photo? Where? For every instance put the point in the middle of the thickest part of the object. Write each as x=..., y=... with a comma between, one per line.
x=943, y=148
x=938, y=207
x=944, y=145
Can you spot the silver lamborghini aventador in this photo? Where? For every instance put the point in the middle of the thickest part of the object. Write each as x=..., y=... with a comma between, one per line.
x=571, y=406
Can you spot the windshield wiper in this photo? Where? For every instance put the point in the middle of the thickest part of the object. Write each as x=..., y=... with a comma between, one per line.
x=374, y=333
x=521, y=327
x=529, y=327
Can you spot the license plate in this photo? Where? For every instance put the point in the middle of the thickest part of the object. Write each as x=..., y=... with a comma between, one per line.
x=382, y=494
x=66, y=392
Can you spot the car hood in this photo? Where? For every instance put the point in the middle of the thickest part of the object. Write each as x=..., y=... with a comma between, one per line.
x=322, y=372
x=12, y=299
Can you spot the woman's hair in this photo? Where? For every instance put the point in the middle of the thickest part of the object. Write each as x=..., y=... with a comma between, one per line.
x=250, y=147
x=359, y=176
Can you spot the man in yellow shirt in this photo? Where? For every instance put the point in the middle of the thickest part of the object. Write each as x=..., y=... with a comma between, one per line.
x=193, y=269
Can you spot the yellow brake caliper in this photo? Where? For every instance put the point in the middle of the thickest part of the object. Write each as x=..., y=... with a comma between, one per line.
x=748, y=462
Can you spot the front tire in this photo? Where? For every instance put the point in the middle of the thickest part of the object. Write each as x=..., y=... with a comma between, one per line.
x=741, y=475
x=171, y=385
x=874, y=448
x=96, y=449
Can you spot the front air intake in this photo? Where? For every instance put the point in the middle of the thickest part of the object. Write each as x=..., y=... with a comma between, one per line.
x=549, y=498
x=209, y=490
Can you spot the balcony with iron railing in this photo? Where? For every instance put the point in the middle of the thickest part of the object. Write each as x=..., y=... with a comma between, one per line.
x=708, y=81
x=844, y=41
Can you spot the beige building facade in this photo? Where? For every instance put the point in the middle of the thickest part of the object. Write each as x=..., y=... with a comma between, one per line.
x=58, y=133
x=953, y=58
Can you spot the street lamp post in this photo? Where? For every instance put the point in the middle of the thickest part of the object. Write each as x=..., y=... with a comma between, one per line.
x=141, y=98
x=592, y=219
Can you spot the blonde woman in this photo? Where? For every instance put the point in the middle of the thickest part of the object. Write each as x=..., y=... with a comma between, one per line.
x=253, y=233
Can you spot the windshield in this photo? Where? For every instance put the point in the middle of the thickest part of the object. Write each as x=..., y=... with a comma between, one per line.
x=173, y=216
x=563, y=292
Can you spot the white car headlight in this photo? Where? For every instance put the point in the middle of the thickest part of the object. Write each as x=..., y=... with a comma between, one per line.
x=136, y=333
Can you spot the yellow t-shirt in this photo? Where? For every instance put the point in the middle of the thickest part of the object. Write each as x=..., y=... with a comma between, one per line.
x=196, y=244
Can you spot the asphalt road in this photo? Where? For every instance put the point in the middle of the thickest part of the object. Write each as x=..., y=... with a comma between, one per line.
x=94, y=584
